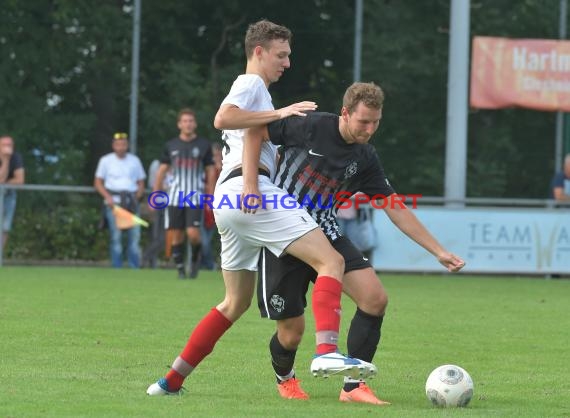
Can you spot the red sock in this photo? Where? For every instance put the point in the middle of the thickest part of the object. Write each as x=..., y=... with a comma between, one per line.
x=200, y=344
x=326, y=309
x=174, y=380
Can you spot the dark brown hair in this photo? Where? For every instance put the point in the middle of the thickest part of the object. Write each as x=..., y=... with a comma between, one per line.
x=185, y=111
x=262, y=33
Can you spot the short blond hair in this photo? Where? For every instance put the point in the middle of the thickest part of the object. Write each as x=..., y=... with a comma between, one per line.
x=369, y=94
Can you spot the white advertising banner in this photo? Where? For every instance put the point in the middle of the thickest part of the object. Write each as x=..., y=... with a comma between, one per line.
x=490, y=240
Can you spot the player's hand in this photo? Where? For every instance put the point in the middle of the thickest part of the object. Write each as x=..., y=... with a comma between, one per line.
x=109, y=201
x=250, y=199
x=6, y=151
x=297, y=109
x=451, y=262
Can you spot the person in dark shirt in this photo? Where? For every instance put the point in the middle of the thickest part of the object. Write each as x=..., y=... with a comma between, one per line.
x=11, y=172
x=189, y=158
x=325, y=158
x=561, y=182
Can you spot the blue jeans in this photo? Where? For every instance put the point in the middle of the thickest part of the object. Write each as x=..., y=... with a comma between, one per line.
x=9, y=209
x=116, y=245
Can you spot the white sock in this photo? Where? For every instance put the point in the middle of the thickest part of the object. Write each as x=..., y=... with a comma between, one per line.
x=284, y=378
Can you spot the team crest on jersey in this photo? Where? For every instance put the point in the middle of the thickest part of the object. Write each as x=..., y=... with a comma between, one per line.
x=277, y=303
x=351, y=170
x=195, y=152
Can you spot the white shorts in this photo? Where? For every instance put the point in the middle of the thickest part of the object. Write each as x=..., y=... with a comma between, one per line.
x=244, y=234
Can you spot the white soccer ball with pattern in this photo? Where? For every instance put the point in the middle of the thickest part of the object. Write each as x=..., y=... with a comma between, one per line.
x=449, y=386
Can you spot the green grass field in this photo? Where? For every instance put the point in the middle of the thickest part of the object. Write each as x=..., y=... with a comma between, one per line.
x=87, y=342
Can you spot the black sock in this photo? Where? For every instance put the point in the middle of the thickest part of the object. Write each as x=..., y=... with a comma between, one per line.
x=178, y=255
x=363, y=339
x=282, y=359
x=196, y=249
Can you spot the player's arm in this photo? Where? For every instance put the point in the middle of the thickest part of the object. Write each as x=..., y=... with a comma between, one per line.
x=4, y=166
x=559, y=194
x=160, y=174
x=410, y=225
x=100, y=187
x=230, y=116
x=140, y=190
x=253, y=140
x=19, y=177
x=210, y=179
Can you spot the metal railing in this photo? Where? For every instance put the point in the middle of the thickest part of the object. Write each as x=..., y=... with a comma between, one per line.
x=33, y=187
x=424, y=200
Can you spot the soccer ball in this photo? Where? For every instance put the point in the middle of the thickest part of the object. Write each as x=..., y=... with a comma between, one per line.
x=449, y=386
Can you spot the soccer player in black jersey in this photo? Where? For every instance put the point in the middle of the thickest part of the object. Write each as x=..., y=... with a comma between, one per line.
x=325, y=157
x=189, y=158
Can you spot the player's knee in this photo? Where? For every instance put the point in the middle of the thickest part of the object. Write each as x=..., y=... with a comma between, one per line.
x=381, y=304
x=375, y=303
x=330, y=263
x=241, y=306
x=291, y=339
x=336, y=263
x=234, y=308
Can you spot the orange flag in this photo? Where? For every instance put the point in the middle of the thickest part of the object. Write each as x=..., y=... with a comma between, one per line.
x=126, y=219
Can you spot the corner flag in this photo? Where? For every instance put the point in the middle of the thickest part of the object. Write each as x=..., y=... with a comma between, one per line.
x=126, y=219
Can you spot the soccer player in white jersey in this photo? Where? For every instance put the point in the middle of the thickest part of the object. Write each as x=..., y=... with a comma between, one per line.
x=249, y=167
x=322, y=155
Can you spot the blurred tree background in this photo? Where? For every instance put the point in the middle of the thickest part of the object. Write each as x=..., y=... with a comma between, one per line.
x=65, y=82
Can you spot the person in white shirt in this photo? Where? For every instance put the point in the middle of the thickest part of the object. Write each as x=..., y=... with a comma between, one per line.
x=247, y=169
x=119, y=179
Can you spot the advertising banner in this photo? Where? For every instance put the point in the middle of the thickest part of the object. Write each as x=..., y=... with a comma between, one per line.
x=490, y=240
x=530, y=73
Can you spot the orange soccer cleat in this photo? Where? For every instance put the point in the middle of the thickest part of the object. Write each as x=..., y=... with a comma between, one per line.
x=362, y=394
x=291, y=389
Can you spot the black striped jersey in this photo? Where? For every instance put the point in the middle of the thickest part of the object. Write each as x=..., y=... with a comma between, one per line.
x=317, y=166
x=187, y=160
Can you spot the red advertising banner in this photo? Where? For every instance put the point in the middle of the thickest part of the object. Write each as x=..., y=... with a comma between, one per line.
x=532, y=73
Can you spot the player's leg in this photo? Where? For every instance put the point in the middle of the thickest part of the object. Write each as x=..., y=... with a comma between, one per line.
x=293, y=231
x=174, y=221
x=239, y=292
x=283, y=348
x=315, y=250
x=193, y=221
x=239, y=262
x=363, y=286
x=281, y=288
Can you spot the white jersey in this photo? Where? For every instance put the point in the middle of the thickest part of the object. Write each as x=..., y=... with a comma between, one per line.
x=248, y=93
x=120, y=174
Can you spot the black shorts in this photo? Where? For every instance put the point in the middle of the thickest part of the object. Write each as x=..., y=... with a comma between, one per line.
x=283, y=281
x=182, y=218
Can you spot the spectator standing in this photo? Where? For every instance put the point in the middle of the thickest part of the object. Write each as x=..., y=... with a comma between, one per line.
x=357, y=224
x=561, y=182
x=119, y=179
x=209, y=225
x=156, y=238
x=11, y=172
